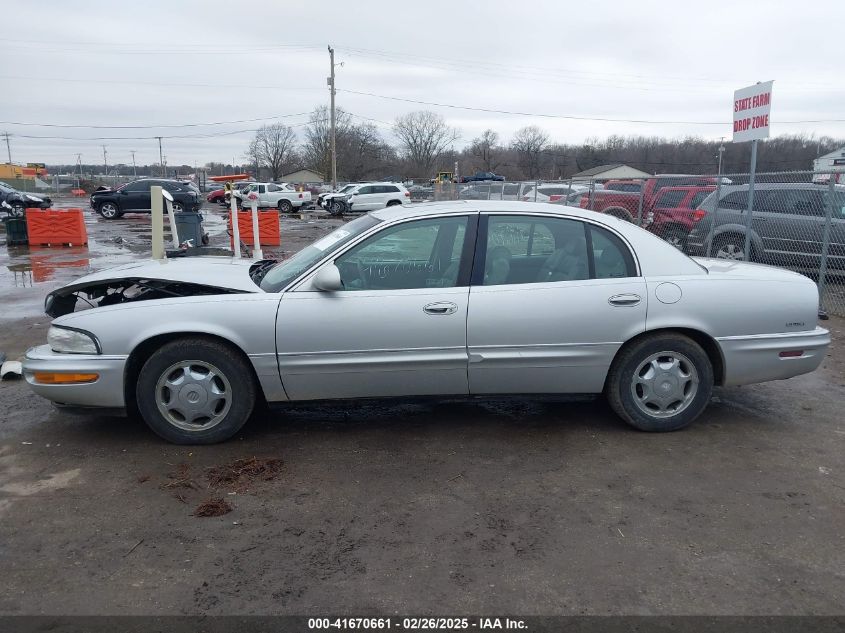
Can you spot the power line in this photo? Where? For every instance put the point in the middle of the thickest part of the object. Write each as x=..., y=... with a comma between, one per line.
x=561, y=116
x=150, y=127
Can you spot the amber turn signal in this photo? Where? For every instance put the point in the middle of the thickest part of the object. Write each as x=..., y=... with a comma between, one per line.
x=53, y=378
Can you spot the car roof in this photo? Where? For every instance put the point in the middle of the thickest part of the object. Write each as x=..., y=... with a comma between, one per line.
x=781, y=185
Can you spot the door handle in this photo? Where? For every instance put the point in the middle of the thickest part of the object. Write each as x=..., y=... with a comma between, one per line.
x=624, y=300
x=441, y=307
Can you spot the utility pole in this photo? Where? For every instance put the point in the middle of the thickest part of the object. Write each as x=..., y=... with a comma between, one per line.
x=333, y=140
x=79, y=164
x=160, y=157
x=134, y=167
x=721, y=151
x=105, y=161
x=8, y=147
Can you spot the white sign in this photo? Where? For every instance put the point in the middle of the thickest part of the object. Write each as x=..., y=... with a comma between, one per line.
x=752, y=106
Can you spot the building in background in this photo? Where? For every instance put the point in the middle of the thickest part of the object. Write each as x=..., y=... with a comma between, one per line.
x=303, y=176
x=832, y=162
x=611, y=172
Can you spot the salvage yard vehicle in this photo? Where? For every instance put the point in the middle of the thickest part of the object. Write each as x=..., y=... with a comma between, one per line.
x=335, y=201
x=376, y=195
x=218, y=195
x=20, y=201
x=673, y=213
x=787, y=225
x=453, y=298
x=280, y=196
x=135, y=197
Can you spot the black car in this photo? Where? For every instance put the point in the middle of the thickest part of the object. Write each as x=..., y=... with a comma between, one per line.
x=18, y=201
x=134, y=197
x=482, y=176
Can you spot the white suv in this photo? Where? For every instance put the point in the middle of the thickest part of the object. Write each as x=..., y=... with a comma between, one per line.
x=377, y=195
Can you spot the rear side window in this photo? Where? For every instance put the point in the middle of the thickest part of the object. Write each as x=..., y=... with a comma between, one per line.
x=611, y=257
x=698, y=198
x=795, y=202
x=390, y=189
x=671, y=199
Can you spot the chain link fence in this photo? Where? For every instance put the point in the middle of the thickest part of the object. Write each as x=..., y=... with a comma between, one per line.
x=794, y=220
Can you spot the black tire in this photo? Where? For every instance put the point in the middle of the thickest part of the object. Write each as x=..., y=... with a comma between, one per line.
x=336, y=207
x=677, y=237
x=624, y=382
x=109, y=210
x=731, y=247
x=285, y=206
x=229, y=374
x=393, y=203
x=619, y=213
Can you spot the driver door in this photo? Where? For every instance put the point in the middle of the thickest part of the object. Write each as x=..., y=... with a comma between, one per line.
x=136, y=196
x=399, y=326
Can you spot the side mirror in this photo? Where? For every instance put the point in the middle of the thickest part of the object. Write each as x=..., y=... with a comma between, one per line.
x=328, y=279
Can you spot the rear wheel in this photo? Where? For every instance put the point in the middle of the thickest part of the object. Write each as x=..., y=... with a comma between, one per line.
x=622, y=214
x=285, y=206
x=109, y=211
x=730, y=247
x=660, y=383
x=393, y=203
x=195, y=391
x=677, y=237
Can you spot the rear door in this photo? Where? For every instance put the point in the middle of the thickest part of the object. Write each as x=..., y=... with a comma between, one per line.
x=551, y=302
x=136, y=196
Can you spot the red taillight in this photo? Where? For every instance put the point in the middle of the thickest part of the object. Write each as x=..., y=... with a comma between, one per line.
x=698, y=215
x=552, y=198
x=407, y=194
x=792, y=353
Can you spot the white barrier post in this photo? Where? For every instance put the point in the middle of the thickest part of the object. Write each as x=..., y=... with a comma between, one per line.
x=256, y=248
x=236, y=232
x=157, y=222
x=174, y=234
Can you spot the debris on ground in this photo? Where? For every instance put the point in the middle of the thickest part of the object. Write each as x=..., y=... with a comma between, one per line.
x=239, y=474
x=143, y=479
x=212, y=508
x=181, y=478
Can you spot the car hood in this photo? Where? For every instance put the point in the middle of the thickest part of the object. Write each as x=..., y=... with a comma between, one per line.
x=225, y=273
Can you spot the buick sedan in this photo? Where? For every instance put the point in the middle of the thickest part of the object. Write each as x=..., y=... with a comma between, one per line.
x=456, y=298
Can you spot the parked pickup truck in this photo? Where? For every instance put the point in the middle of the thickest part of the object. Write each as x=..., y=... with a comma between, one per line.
x=483, y=176
x=281, y=196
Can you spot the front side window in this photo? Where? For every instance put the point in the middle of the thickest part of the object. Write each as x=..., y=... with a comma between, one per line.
x=535, y=249
x=365, y=190
x=283, y=273
x=417, y=254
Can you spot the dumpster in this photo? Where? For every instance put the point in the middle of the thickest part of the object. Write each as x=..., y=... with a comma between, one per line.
x=189, y=227
x=15, y=231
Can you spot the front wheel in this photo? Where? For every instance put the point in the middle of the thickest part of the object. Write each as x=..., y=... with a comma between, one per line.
x=195, y=391
x=336, y=208
x=285, y=206
x=660, y=383
x=109, y=211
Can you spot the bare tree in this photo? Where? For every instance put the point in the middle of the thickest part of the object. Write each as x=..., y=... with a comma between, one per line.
x=273, y=147
x=423, y=137
x=529, y=143
x=486, y=149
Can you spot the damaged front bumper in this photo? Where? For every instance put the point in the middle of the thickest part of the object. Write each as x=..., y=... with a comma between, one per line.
x=105, y=391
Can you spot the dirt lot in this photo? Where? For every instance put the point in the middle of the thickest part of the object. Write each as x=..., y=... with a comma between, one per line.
x=490, y=506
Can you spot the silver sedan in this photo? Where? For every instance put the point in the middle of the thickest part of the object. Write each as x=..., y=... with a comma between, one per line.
x=457, y=298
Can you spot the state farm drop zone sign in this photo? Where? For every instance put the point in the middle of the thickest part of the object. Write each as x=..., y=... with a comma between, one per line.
x=752, y=107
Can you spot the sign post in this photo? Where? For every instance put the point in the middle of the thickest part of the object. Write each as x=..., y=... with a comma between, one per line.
x=752, y=107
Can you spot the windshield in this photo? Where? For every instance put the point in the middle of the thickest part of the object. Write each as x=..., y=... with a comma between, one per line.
x=285, y=272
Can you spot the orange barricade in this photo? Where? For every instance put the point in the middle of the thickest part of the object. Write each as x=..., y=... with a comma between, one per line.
x=78, y=193
x=56, y=226
x=268, y=227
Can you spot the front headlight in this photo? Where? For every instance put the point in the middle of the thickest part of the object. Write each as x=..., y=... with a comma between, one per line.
x=66, y=340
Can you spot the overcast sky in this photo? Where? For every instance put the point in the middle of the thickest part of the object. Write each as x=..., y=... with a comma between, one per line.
x=156, y=63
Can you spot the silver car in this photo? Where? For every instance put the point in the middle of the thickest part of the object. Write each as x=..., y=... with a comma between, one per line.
x=455, y=298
